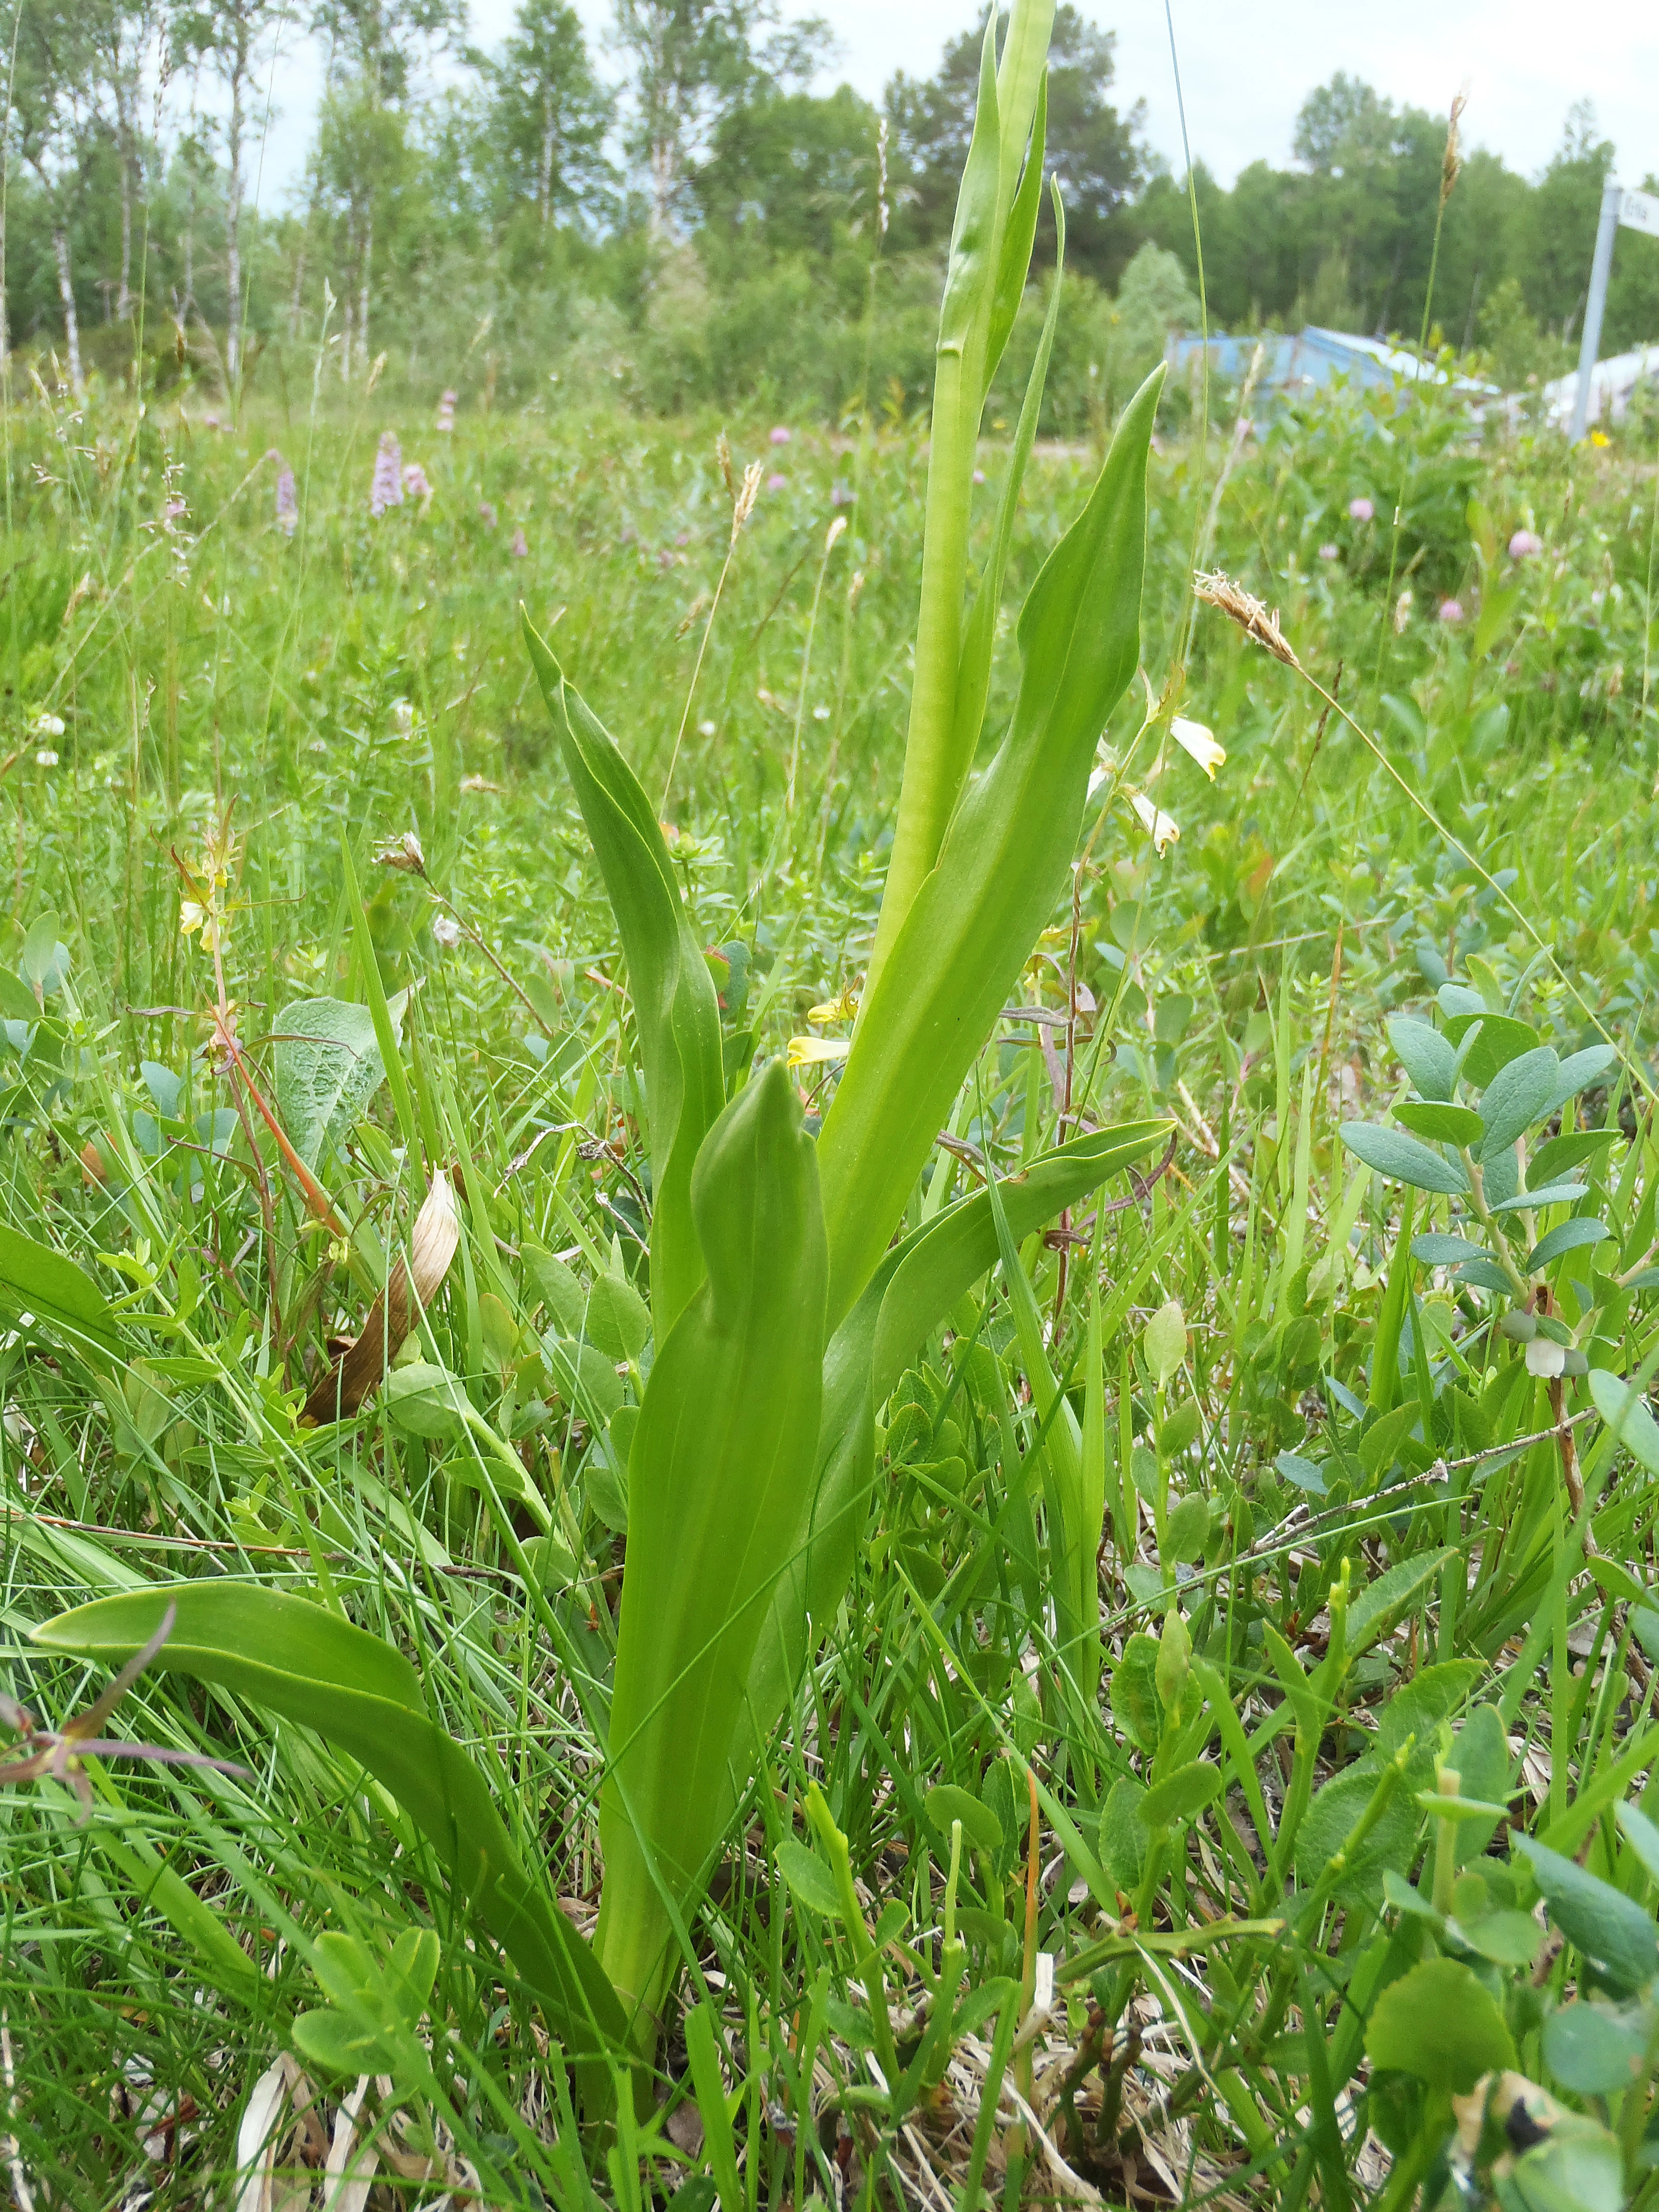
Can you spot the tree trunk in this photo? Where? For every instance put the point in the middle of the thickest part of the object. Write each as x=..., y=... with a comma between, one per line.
x=362, y=287
x=295, y=296
x=71, y=324
x=233, y=211
x=547, y=160
x=123, y=282
x=5, y=322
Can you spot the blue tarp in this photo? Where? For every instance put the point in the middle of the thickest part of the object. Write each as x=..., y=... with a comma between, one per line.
x=1293, y=364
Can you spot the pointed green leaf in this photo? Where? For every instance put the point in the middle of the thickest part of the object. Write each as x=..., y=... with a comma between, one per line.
x=290, y=1656
x=1401, y=1158
x=673, y=995
x=1517, y=1096
x=1000, y=874
x=35, y=1278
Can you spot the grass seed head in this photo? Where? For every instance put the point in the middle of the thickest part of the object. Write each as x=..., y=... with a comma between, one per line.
x=1217, y=590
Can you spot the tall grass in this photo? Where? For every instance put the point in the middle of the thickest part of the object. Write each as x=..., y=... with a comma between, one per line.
x=1274, y=1401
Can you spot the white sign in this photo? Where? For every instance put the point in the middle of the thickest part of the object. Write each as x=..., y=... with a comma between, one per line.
x=1640, y=211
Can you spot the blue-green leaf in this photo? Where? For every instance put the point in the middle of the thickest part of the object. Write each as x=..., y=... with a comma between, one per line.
x=1402, y=1159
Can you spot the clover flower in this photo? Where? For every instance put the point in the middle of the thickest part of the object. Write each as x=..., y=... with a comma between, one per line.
x=417, y=483
x=1524, y=544
x=447, y=931
x=386, y=489
x=1451, y=612
x=780, y=436
x=775, y=482
x=1361, y=510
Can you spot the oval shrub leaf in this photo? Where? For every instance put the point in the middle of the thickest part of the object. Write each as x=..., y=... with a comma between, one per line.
x=1625, y=1413
x=1518, y=1095
x=1400, y=1158
x=1567, y=1237
x=810, y=1881
x=1442, y=1125
x=1181, y=1796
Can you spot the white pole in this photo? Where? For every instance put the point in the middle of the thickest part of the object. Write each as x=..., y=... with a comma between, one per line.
x=1613, y=200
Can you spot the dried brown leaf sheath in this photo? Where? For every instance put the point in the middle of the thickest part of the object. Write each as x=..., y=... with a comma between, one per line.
x=432, y=1244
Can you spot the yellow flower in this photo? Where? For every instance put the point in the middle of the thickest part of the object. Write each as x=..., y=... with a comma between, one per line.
x=815, y=1052
x=1158, y=826
x=841, y=1008
x=1600, y=438
x=1195, y=739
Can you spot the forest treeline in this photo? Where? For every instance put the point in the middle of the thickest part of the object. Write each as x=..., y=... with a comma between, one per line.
x=688, y=215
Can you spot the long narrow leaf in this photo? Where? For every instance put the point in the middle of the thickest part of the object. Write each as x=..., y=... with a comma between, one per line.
x=290, y=1656
x=675, y=1002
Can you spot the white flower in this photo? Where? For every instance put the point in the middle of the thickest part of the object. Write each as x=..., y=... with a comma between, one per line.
x=1105, y=767
x=46, y=757
x=1155, y=822
x=1193, y=738
x=447, y=931
x=1545, y=1356
x=705, y=729
x=49, y=726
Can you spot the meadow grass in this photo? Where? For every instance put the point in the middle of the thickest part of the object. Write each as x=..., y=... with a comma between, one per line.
x=308, y=701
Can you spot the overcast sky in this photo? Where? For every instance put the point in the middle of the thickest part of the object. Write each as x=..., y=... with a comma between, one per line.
x=1244, y=70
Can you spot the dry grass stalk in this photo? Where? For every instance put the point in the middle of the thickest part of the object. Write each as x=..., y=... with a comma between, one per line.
x=1240, y=606
x=413, y=1286
x=1451, y=164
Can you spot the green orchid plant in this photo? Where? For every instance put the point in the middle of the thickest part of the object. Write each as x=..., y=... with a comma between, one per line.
x=786, y=1297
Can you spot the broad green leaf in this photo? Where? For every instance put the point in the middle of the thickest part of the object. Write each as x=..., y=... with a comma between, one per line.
x=1561, y=1153
x=1401, y=1158
x=1625, y=1412
x=1499, y=1039
x=1577, y=2167
x=328, y=1068
x=1003, y=870
x=1164, y=1341
x=1188, y=1528
x=1567, y=1237
x=721, y=1458
x=292, y=1657
x=17, y=1002
x=675, y=1002
x=1438, y=1251
x=1483, y=1763
x=1181, y=1796
x=1418, y=1706
x=1380, y=1602
x=1135, y=1704
x=1304, y=1473
x=1123, y=1836
x=427, y=1400
x=617, y=1320
x=44, y=960
x=916, y=1286
x=981, y=1828
x=1441, y=1125
x=1517, y=1096
x=1592, y=2049
x=1551, y=1193
x=810, y=1881
x=1332, y=1818
x=1609, y=1928
x=1577, y=1071
x=34, y=1279
x=1425, y=1055
x=1440, y=2023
